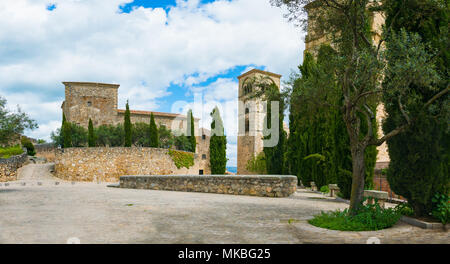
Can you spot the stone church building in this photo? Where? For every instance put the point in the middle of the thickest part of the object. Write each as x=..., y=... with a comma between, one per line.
x=99, y=102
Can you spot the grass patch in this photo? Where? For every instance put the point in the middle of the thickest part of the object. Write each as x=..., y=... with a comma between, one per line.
x=369, y=218
x=6, y=153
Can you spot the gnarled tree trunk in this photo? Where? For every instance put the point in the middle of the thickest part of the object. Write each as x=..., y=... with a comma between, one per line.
x=357, y=194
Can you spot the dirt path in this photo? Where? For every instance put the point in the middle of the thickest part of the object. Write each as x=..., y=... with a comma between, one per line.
x=36, y=173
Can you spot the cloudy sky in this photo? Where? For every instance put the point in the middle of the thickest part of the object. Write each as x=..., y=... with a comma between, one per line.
x=164, y=54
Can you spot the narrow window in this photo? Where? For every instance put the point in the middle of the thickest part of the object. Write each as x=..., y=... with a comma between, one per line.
x=89, y=103
x=200, y=172
x=203, y=137
x=247, y=126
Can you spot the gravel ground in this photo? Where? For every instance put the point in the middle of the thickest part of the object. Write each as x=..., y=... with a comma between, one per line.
x=42, y=212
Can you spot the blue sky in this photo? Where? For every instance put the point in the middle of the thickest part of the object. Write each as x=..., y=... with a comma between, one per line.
x=160, y=52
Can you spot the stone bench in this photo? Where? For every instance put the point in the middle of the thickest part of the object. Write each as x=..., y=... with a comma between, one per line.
x=253, y=185
x=334, y=189
x=313, y=186
x=382, y=197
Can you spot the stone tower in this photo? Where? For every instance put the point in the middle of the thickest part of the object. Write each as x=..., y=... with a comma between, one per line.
x=251, y=117
x=85, y=100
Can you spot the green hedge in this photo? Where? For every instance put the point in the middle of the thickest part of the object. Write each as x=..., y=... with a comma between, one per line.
x=6, y=153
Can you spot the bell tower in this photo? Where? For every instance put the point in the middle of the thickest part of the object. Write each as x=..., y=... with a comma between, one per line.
x=251, y=117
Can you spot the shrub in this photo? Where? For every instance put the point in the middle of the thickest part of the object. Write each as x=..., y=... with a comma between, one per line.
x=109, y=135
x=369, y=218
x=182, y=143
x=165, y=137
x=405, y=209
x=6, y=153
x=441, y=208
x=140, y=137
x=26, y=143
x=324, y=189
x=257, y=164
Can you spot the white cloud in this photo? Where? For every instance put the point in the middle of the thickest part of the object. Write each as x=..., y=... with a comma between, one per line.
x=144, y=51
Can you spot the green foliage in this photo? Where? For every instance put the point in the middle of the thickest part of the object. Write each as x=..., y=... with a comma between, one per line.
x=441, y=207
x=369, y=217
x=325, y=189
x=26, y=143
x=154, y=136
x=71, y=135
x=217, y=144
x=318, y=146
x=417, y=46
x=405, y=209
x=128, y=127
x=111, y=136
x=182, y=143
x=191, y=131
x=6, y=153
x=257, y=164
x=274, y=155
x=67, y=134
x=182, y=159
x=166, y=138
x=91, y=135
x=141, y=134
x=13, y=124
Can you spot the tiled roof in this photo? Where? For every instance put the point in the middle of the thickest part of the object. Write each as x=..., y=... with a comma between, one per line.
x=136, y=112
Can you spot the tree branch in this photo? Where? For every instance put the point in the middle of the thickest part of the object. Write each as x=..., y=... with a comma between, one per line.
x=402, y=110
x=437, y=96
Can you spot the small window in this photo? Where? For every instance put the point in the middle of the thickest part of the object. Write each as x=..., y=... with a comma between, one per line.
x=200, y=172
x=89, y=103
x=204, y=156
x=247, y=126
x=203, y=137
x=247, y=110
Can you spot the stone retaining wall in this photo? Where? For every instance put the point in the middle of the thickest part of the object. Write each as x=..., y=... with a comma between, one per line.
x=9, y=167
x=108, y=164
x=253, y=185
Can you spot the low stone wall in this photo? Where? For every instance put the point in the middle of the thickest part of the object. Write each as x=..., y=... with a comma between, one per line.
x=253, y=185
x=9, y=167
x=46, y=151
x=108, y=164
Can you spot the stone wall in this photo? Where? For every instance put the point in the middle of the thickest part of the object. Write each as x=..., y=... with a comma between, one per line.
x=108, y=164
x=253, y=185
x=9, y=167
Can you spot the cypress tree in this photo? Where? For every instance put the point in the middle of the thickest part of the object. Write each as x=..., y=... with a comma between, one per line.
x=66, y=133
x=61, y=141
x=275, y=155
x=127, y=127
x=154, y=134
x=318, y=146
x=217, y=145
x=191, y=131
x=420, y=157
x=91, y=134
